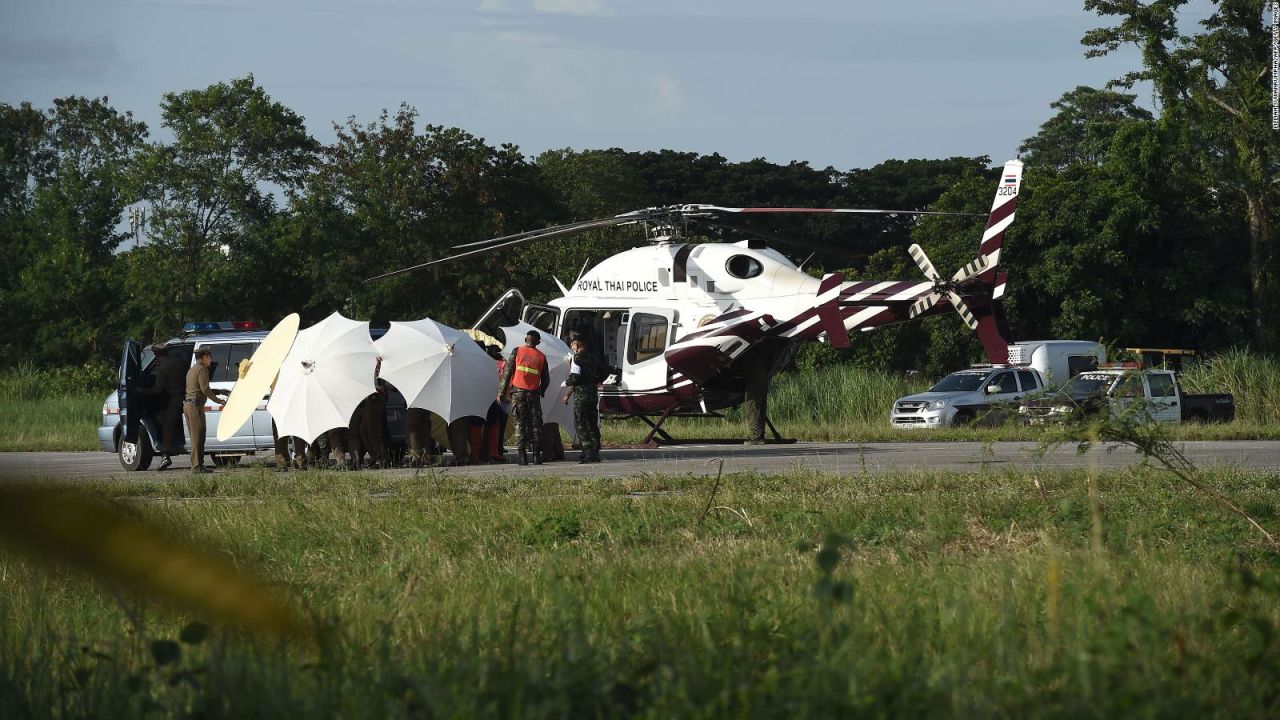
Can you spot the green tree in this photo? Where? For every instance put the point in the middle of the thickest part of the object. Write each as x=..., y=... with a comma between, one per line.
x=1215, y=83
x=1109, y=241
x=212, y=190
x=24, y=164
x=1083, y=128
x=67, y=286
x=388, y=196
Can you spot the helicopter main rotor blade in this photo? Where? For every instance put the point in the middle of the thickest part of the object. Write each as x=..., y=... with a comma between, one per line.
x=693, y=209
x=566, y=227
x=662, y=214
x=780, y=239
x=523, y=238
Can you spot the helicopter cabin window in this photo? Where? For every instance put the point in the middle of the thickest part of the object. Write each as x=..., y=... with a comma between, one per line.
x=648, y=337
x=743, y=267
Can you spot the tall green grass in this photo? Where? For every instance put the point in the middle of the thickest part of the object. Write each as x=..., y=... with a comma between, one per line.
x=55, y=423
x=802, y=595
x=1253, y=378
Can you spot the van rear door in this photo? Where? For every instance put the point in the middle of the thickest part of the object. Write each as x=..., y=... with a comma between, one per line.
x=127, y=390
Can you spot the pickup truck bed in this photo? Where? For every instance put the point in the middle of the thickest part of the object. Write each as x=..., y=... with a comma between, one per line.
x=1210, y=407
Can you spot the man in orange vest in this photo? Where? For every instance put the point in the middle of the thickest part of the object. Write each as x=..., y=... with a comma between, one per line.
x=526, y=379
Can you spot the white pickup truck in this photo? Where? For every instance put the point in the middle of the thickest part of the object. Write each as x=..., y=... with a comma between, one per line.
x=1154, y=393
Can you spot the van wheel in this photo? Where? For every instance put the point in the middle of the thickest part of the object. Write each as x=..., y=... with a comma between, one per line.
x=225, y=460
x=136, y=456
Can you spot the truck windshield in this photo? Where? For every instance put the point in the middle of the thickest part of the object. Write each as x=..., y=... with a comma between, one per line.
x=960, y=382
x=1087, y=385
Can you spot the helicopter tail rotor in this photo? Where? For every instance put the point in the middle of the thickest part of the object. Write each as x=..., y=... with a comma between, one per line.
x=976, y=290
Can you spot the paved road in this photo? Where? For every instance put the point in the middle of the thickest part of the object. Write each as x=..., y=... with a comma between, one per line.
x=841, y=458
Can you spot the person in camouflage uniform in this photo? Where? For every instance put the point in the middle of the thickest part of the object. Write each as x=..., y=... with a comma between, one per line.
x=525, y=378
x=587, y=371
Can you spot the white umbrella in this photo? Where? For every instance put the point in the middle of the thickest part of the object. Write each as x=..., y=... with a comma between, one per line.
x=327, y=372
x=559, y=358
x=438, y=368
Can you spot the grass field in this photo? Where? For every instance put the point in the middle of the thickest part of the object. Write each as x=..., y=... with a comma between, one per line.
x=54, y=411
x=58, y=423
x=803, y=595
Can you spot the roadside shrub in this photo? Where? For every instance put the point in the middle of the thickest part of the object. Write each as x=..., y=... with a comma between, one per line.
x=28, y=381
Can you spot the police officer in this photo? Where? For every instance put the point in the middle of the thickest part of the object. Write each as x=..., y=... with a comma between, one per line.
x=198, y=391
x=526, y=379
x=170, y=383
x=586, y=372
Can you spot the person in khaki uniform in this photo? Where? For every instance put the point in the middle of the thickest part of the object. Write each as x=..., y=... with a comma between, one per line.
x=198, y=391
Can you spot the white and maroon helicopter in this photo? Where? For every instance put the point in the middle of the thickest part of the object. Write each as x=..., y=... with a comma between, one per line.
x=682, y=321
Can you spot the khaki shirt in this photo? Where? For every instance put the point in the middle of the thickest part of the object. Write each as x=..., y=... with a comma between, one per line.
x=198, y=385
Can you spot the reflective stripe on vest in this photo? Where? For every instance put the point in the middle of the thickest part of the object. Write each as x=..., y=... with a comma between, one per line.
x=530, y=364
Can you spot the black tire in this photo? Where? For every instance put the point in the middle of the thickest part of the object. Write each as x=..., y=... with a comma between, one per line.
x=964, y=418
x=1200, y=418
x=225, y=460
x=135, y=457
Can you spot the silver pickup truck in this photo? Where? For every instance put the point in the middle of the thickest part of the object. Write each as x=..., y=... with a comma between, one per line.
x=966, y=397
x=987, y=394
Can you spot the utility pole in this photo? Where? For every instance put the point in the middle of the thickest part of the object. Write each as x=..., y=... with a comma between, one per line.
x=137, y=218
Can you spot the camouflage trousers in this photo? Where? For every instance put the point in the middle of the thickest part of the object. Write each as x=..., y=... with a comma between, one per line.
x=526, y=407
x=586, y=418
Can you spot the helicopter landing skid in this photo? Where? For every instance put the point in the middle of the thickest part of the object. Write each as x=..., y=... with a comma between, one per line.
x=656, y=431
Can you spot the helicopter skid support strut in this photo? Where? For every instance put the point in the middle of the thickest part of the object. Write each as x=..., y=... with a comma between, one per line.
x=665, y=438
x=656, y=428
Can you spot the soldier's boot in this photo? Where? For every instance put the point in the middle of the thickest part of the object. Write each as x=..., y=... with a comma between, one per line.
x=595, y=455
x=537, y=456
x=585, y=457
x=523, y=457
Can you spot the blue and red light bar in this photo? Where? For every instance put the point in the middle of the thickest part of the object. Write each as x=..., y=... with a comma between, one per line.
x=195, y=327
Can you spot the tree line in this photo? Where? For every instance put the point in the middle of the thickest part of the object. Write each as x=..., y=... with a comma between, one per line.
x=1134, y=226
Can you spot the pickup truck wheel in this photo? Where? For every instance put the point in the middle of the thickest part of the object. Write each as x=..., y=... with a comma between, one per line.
x=136, y=456
x=963, y=418
x=1198, y=416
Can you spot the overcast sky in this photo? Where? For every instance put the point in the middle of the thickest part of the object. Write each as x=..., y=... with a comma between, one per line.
x=831, y=82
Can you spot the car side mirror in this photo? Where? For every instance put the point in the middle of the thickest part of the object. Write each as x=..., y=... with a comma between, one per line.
x=994, y=389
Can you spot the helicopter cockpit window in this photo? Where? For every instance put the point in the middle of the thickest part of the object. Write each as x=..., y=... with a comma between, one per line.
x=543, y=319
x=743, y=267
x=648, y=337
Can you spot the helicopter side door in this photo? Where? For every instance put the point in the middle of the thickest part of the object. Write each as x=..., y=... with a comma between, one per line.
x=503, y=313
x=543, y=317
x=648, y=332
